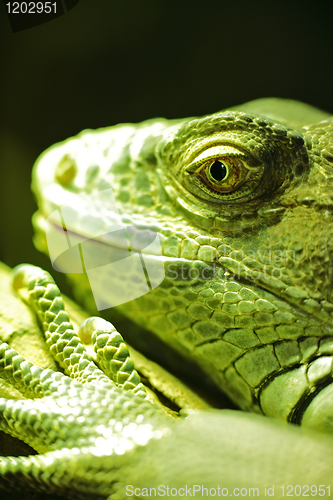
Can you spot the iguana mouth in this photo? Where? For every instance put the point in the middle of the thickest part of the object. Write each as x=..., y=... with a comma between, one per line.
x=84, y=254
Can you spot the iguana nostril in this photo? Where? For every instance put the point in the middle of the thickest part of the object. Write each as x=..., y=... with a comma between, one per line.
x=66, y=170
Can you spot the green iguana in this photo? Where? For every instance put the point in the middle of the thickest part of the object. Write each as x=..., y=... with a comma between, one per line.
x=228, y=218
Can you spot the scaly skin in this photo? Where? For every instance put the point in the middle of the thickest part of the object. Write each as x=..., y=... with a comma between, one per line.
x=247, y=293
x=100, y=441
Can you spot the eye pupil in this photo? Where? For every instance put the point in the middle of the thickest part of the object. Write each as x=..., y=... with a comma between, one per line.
x=218, y=170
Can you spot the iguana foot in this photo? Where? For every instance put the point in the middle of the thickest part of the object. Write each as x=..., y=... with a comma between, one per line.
x=81, y=421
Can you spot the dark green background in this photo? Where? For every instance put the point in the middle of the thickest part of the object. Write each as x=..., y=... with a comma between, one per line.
x=106, y=62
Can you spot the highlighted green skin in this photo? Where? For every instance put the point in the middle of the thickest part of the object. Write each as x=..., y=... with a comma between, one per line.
x=247, y=293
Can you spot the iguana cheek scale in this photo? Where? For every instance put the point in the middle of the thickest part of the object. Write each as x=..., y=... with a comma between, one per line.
x=247, y=291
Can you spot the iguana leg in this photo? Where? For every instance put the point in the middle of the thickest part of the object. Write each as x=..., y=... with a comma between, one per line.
x=74, y=473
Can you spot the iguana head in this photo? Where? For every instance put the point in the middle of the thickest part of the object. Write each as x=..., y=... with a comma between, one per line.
x=242, y=204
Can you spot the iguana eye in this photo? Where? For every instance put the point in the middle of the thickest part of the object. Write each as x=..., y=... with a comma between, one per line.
x=222, y=172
